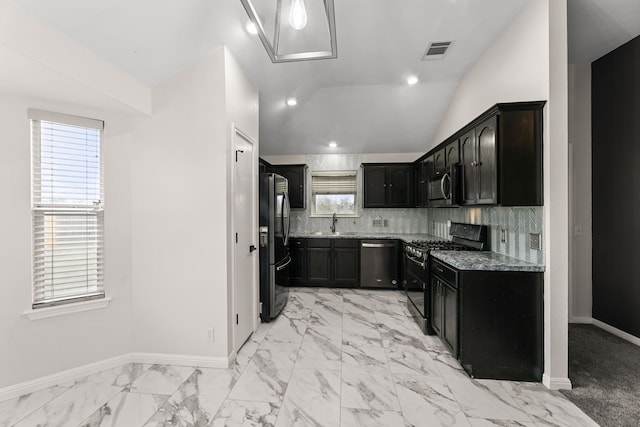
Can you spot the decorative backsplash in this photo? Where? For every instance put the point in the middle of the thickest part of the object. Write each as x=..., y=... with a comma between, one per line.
x=518, y=222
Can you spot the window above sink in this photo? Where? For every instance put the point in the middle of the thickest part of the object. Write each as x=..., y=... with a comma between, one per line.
x=334, y=192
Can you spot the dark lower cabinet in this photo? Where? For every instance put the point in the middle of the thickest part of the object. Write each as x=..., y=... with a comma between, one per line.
x=491, y=321
x=346, y=263
x=319, y=262
x=325, y=262
x=298, y=267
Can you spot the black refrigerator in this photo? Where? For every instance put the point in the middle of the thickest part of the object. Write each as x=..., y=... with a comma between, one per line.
x=274, y=245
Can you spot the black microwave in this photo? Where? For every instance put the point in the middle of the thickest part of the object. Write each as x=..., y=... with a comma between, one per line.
x=443, y=188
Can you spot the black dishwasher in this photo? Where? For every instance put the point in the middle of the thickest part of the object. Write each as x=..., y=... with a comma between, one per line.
x=379, y=264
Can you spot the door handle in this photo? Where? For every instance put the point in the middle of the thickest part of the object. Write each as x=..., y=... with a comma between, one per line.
x=252, y=248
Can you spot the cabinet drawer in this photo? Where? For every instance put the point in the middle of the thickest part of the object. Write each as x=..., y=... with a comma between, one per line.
x=445, y=272
x=296, y=243
x=346, y=243
x=319, y=243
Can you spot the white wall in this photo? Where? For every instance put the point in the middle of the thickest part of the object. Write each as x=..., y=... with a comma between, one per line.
x=32, y=349
x=528, y=62
x=180, y=208
x=179, y=217
x=581, y=219
x=242, y=106
x=514, y=68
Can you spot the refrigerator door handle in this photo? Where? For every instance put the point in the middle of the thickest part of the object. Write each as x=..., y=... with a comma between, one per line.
x=285, y=214
x=281, y=267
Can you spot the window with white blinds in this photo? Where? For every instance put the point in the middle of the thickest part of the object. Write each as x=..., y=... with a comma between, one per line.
x=67, y=208
x=334, y=192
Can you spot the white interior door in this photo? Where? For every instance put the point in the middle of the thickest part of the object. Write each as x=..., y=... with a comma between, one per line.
x=245, y=230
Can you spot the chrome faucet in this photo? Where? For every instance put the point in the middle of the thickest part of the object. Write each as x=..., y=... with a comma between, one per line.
x=334, y=219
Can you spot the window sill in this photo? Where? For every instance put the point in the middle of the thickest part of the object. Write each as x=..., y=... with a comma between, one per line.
x=331, y=215
x=62, y=310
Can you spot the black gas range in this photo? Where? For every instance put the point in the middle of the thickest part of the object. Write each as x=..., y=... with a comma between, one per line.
x=415, y=261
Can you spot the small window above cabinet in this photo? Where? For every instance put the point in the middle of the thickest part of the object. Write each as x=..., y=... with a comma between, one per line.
x=297, y=177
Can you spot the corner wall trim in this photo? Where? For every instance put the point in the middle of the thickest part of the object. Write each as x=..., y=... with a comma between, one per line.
x=62, y=377
x=556, y=383
x=74, y=374
x=585, y=320
x=615, y=331
x=181, y=360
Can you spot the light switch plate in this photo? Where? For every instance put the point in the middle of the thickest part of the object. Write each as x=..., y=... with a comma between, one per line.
x=535, y=241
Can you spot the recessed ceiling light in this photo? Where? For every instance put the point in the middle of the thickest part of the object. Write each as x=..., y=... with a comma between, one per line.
x=411, y=80
x=333, y=144
x=292, y=102
x=251, y=28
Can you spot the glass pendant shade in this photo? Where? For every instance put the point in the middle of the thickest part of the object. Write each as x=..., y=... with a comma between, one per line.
x=294, y=30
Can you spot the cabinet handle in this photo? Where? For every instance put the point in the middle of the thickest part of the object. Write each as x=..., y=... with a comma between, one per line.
x=440, y=270
x=390, y=185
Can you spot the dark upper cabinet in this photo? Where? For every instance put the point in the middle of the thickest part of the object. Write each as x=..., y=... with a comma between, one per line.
x=264, y=166
x=501, y=156
x=296, y=175
x=388, y=185
x=439, y=161
x=452, y=151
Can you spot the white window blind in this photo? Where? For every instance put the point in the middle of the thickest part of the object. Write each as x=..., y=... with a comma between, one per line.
x=67, y=208
x=334, y=192
x=342, y=182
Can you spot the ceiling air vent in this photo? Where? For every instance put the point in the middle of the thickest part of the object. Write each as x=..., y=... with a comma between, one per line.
x=436, y=50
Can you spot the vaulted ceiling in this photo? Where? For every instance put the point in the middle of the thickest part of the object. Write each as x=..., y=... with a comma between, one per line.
x=361, y=99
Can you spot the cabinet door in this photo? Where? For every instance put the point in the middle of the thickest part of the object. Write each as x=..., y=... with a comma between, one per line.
x=296, y=175
x=319, y=266
x=419, y=185
x=450, y=318
x=298, y=268
x=400, y=186
x=467, y=160
x=439, y=162
x=346, y=267
x=486, y=162
x=436, y=306
x=375, y=188
x=453, y=153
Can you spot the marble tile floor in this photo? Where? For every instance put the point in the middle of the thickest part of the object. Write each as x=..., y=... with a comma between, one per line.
x=349, y=358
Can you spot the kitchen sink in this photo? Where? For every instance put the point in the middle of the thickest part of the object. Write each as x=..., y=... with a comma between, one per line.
x=333, y=233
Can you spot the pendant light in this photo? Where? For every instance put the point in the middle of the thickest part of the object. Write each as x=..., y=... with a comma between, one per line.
x=294, y=30
x=297, y=15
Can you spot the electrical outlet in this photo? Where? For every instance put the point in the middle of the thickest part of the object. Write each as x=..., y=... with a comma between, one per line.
x=385, y=222
x=210, y=334
x=503, y=236
x=535, y=241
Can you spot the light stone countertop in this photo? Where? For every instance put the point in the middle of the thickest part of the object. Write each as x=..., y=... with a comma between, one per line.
x=405, y=237
x=485, y=261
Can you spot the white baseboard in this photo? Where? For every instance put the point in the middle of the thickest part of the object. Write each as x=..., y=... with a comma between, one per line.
x=556, y=383
x=181, y=360
x=582, y=320
x=80, y=372
x=63, y=377
x=615, y=331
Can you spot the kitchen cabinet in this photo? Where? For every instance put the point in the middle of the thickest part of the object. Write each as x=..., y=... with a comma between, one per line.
x=444, y=304
x=263, y=165
x=491, y=321
x=388, y=185
x=297, y=176
x=325, y=262
x=439, y=162
x=500, y=156
x=298, y=267
x=479, y=170
x=421, y=170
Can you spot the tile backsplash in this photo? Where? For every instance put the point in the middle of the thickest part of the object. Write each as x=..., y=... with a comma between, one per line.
x=518, y=222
